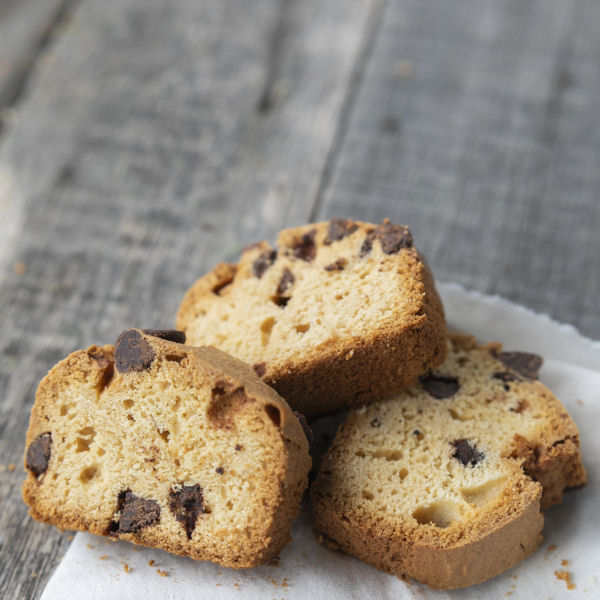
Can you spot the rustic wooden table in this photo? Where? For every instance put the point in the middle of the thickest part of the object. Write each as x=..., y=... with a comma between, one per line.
x=143, y=140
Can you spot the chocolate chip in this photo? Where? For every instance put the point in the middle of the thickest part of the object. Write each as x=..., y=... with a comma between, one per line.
x=338, y=229
x=391, y=236
x=260, y=368
x=286, y=282
x=527, y=365
x=394, y=237
x=416, y=432
x=367, y=245
x=375, y=422
x=305, y=427
x=263, y=262
x=440, y=386
x=132, y=352
x=305, y=247
x=186, y=504
x=135, y=513
x=238, y=447
x=170, y=335
x=338, y=265
x=465, y=453
x=220, y=470
x=38, y=454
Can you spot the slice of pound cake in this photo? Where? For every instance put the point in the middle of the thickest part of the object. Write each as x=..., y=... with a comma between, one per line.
x=339, y=314
x=444, y=482
x=167, y=446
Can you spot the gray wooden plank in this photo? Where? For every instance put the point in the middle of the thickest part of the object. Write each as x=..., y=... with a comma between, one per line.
x=145, y=152
x=476, y=123
x=25, y=28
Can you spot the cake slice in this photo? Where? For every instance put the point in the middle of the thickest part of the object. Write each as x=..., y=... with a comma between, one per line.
x=337, y=315
x=444, y=481
x=168, y=446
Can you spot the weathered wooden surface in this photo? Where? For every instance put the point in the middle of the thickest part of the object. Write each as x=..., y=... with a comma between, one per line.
x=156, y=138
x=476, y=123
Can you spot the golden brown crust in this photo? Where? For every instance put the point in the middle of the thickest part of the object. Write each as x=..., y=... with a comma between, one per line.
x=328, y=325
x=194, y=417
x=395, y=490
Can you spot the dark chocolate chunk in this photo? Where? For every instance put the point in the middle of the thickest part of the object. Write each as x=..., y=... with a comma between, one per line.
x=506, y=376
x=440, y=386
x=135, y=513
x=260, y=368
x=367, y=245
x=375, y=422
x=38, y=454
x=238, y=447
x=393, y=237
x=416, y=432
x=338, y=229
x=220, y=470
x=305, y=427
x=338, y=265
x=305, y=247
x=170, y=335
x=285, y=283
x=465, y=453
x=186, y=504
x=263, y=262
x=132, y=352
x=527, y=365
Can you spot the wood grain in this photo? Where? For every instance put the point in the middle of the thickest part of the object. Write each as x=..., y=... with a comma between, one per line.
x=475, y=123
x=156, y=139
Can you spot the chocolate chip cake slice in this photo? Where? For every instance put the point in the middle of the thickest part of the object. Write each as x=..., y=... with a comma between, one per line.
x=167, y=446
x=337, y=315
x=444, y=482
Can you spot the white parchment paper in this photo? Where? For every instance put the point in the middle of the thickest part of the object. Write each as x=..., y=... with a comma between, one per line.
x=95, y=568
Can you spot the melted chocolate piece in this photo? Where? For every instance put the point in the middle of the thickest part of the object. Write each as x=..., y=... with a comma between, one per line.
x=263, y=262
x=338, y=265
x=132, y=352
x=439, y=387
x=305, y=247
x=465, y=453
x=286, y=282
x=186, y=504
x=527, y=365
x=170, y=335
x=38, y=454
x=260, y=368
x=305, y=427
x=367, y=245
x=394, y=237
x=339, y=229
x=136, y=513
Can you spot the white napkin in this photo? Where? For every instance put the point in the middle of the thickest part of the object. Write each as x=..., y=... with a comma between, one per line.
x=96, y=568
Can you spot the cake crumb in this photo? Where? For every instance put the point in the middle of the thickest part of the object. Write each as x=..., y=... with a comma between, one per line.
x=89, y=546
x=580, y=401
x=151, y=562
x=20, y=268
x=11, y=467
x=564, y=562
x=551, y=548
x=70, y=538
x=127, y=568
x=162, y=573
x=104, y=557
x=218, y=584
x=566, y=577
x=285, y=583
x=34, y=575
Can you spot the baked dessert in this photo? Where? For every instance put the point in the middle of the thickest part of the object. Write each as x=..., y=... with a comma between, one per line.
x=341, y=313
x=167, y=446
x=444, y=482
